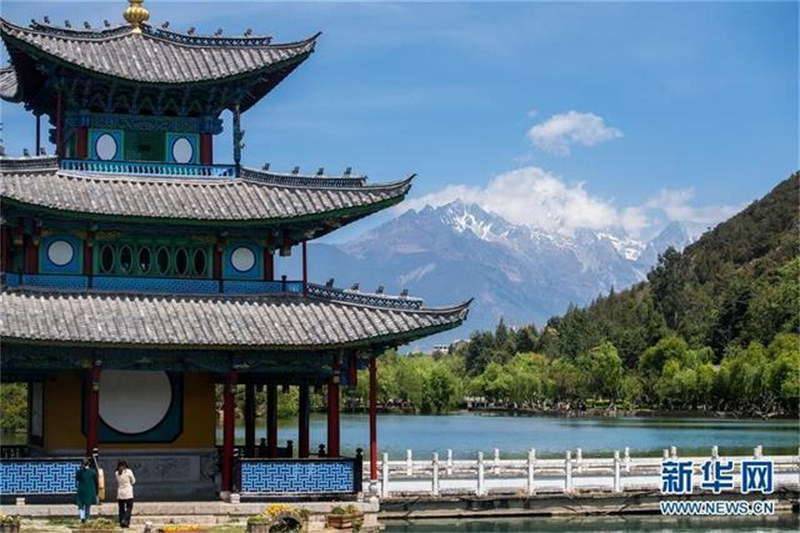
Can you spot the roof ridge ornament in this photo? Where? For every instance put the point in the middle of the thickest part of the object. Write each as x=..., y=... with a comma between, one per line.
x=136, y=14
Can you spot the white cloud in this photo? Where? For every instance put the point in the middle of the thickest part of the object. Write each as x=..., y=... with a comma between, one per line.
x=534, y=197
x=675, y=204
x=537, y=198
x=559, y=132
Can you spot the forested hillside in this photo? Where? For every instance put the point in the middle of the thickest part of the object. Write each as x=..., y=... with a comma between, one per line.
x=714, y=327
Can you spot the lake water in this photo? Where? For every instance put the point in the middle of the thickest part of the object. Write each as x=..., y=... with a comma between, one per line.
x=598, y=523
x=466, y=434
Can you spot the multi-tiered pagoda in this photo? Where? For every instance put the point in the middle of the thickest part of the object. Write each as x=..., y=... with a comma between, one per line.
x=138, y=271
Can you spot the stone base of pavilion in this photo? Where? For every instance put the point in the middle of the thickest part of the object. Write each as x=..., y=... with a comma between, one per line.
x=45, y=517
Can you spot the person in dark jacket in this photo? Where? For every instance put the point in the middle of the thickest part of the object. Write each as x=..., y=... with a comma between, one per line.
x=87, y=488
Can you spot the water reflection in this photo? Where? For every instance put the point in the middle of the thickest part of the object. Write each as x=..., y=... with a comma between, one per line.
x=789, y=522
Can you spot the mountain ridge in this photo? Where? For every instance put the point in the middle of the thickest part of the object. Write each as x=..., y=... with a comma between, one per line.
x=458, y=251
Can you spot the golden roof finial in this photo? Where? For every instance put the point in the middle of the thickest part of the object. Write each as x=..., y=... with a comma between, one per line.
x=136, y=14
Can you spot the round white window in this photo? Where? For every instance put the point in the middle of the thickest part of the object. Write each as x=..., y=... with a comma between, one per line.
x=182, y=150
x=106, y=147
x=134, y=401
x=60, y=252
x=243, y=259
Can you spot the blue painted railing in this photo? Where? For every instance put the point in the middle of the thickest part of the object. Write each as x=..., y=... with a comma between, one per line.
x=158, y=285
x=38, y=476
x=274, y=477
x=149, y=168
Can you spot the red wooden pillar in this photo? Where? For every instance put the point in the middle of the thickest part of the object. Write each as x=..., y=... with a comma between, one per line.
x=93, y=409
x=305, y=269
x=352, y=370
x=228, y=428
x=81, y=142
x=59, y=152
x=206, y=149
x=6, y=247
x=32, y=251
x=217, y=265
x=18, y=242
x=250, y=420
x=272, y=420
x=88, y=266
x=333, y=409
x=373, y=421
x=269, y=264
x=303, y=422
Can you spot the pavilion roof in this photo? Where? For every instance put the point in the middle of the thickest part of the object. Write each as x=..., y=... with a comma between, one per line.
x=275, y=322
x=255, y=198
x=155, y=57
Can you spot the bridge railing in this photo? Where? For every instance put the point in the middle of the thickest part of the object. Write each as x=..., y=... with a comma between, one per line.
x=571, y=473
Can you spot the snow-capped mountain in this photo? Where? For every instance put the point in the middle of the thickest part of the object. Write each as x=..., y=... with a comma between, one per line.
x=458, y=251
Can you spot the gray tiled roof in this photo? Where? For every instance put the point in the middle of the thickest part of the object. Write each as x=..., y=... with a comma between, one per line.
x=9, y=88
x=155, y=56
x=181, y=198
x=240, y=322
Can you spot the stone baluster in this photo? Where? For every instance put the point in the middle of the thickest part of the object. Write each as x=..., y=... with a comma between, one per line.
x=673, y=452
x=385, y=477
x=531, y=467
x=496, y=468
x=568, y=472
x=627, y=460
x=409, y=464
x=435, y=463
x=617, y=484
x=449, y=462
x=578, y=460
x=480, y=490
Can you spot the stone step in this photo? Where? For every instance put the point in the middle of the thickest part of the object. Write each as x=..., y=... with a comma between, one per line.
x=201, y=520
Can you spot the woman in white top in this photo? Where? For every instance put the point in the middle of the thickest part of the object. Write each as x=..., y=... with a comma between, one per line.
x=125, y=481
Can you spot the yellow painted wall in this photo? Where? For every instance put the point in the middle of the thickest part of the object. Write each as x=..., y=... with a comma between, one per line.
x=62, y=415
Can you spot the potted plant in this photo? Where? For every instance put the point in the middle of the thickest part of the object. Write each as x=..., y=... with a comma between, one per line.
x=278, y=518
x=349, y=517
x=97, y=525
x=9, y=523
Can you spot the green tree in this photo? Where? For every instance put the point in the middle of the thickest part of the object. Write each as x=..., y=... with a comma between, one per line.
x=670, y=282
x=13, y=408
x=440, y=389
x=604, y=370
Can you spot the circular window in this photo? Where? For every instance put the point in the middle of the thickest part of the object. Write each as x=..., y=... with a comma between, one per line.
x=107, y=258
x=134, y=401
x=243, y=259
x=125, y=258
x=162, y=257
x=144, y=260
x=106, y=147
x=199, y=262
x=182, y=150
x=181, y=262
x=60, y=252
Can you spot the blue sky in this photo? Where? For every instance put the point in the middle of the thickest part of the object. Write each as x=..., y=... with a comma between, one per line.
x=554, y=114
